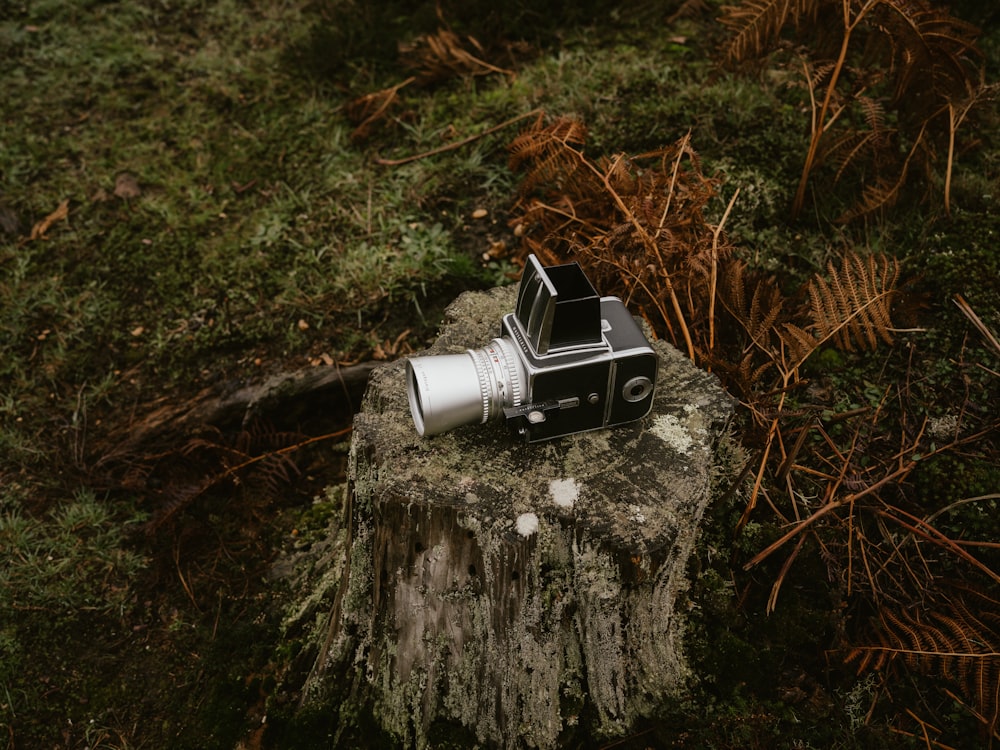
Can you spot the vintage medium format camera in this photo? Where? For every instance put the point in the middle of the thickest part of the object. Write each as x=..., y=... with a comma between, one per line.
x=566, y=361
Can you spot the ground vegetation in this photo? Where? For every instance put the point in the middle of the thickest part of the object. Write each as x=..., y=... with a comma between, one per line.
x=202, y=198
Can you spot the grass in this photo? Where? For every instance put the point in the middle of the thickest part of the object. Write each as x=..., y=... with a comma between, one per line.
x=249, y=189
x=221, y=224
x=73, y=559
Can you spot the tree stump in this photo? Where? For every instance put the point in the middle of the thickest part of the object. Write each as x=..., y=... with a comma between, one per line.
x=511, y=587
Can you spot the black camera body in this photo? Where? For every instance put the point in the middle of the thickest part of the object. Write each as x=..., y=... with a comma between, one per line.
x=566, y=361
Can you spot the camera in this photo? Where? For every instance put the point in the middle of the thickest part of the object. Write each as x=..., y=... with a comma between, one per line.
x=566, y=361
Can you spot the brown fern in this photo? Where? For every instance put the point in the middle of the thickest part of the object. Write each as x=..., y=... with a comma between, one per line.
x=757, y=24
x=930, y=50
x=755, y=304
x=551, y=155
x=257, y=455
x=443, y=55
x=852, y=308
x=371, y=109
x=432, y=58
x=636, y=223
x=958, y=640
x=916, y=57
x=853, y=146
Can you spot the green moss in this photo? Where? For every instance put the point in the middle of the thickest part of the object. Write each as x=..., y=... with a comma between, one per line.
x=959, y=257
x=947, y=487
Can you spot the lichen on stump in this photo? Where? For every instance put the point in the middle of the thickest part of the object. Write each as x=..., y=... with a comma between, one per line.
x=507, y=586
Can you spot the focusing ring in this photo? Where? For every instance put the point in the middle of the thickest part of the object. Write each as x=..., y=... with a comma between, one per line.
x=513, y=379
x=482, y=371
x=499, y=376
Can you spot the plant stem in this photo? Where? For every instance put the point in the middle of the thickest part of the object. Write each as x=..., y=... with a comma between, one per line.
x=714, y=278
x=818, y=125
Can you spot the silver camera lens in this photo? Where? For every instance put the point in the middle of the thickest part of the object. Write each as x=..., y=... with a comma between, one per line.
x=447, y=391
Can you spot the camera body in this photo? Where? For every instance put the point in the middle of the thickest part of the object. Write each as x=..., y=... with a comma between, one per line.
x=566, y=361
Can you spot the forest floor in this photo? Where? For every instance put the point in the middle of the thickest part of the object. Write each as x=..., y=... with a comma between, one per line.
x=198, y=197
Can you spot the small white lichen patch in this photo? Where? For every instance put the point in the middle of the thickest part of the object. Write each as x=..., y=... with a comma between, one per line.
x=670, y=430
x=526, y=524
x=944, y=427
x=635, y=514
x=564, y=492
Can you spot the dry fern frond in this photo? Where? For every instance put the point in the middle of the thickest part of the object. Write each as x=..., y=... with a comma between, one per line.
x=258, y=455
x=437, y=57
x=637, y=223
x=755, y=303
x=541, y=138
x=853, y=145
x=849, y=149
x=930, y=48
x=885, y=192
x=798, y=343
x=874, y=113
x=852, y=308
x=744, y=378
x=757, y=24
x=372, y=108
x=688, y=9
x=959, y=640
x=916, y=57
x=552, y=155
x=433, y=57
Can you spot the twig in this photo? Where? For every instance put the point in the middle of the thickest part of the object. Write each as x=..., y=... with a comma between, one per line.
x=456, y=144
x=963, y=501
x=650, y=241
x=968, y=312
x=772, y=600
x=713, y=280
x=931, y=534
x=242, y=405
x=388, y=96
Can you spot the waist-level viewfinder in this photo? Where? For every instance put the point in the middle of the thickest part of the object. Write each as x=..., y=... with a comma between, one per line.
x=557, y=308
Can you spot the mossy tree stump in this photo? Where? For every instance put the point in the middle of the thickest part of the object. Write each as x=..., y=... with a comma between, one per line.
x=510, y=587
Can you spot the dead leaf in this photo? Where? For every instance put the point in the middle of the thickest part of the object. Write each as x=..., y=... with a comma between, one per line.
x=497, y=249
x=127, y=186
x=388, y=349
x=38, y=231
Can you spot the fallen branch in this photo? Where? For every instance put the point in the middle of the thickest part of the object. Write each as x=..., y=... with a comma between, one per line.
x=218, y=406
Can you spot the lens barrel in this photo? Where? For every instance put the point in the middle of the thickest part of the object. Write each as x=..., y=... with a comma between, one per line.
x=450, y=390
